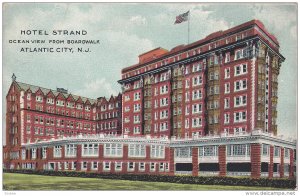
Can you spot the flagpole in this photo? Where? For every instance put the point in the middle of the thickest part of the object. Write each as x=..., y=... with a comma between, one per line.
x=189, y=27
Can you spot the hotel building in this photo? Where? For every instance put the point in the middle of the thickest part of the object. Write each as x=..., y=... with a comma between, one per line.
x=206, y=108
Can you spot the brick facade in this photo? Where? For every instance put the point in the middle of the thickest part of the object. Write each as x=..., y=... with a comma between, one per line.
x=255, y=160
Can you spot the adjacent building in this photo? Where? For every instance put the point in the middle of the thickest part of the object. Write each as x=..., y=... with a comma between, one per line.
x=206, y=108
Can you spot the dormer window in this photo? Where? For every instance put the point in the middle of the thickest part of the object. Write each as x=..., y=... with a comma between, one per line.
x=79, y=106
x=70, y=104
x=87, y=108
x=39, y=98
x=50, y=101
x=29, y=96
x=60, y=103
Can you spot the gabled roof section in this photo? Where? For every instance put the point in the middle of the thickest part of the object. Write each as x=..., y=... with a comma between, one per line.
x=50, y=94
x=87, y=101
x=79, y=100
x=28, y=91
x=70, y=98
x=39, y=91
x=45, y=91
x=61, y=96
x=111, y=99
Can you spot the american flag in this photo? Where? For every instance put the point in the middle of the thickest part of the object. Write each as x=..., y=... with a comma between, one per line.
x=182, y=17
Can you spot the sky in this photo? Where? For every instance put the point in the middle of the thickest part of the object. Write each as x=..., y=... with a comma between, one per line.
x=126, y=30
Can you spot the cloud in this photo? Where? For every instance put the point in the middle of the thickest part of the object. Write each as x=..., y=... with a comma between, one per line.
x=97, y=88
x=138, y=20
x=277, y=19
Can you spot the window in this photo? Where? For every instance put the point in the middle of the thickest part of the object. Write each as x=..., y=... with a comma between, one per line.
x=127, y=98
x=157, y=151
x=60, y=103
x=66, y=164
x=78, y=106
x=239, y=54
x=197, y=80
x=137, y=150
x=187, y=123
x=29, y=96
x=87, y=108
x=161, y=166
x=106, y=166
x=286, y=153
x=164, y=126
x=136, y=130
x=227, y=73
x=163, y=77
x=277, y=151
x=84, y=165
x=142, y=166
x=130, y=166
x=227, y=88
x=240, y=116
x=50, y=101
x=197, y=108
x=164, y=114
x=152, y=166
x=197, y=67
x=226, y=118
x=136, y=85
x=70, y=150
x=90, y=150
x=207, y=151
x=265, y=150
x=227, y=57
x=113, y=150
x=137, y=119
x=164, y=102
x=238, y=130
x=226, y=103
x=240, y=101
x=197, y=122
x=164, y=89
x=211, y=75
x=238, y=150
x=197, y=94
x=57, y=151
x=240, y=69
x=23, y=154
x=137, y=107
x=33, y=153
x=187, y=84
x=94, y=165
x=184, y=152
x=240, y=85
x=39, y=98
x=137, y=96
x=74, y=165
x=215, y=90
x=118, y=166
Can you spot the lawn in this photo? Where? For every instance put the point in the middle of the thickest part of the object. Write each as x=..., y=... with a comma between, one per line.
x=12, y=181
